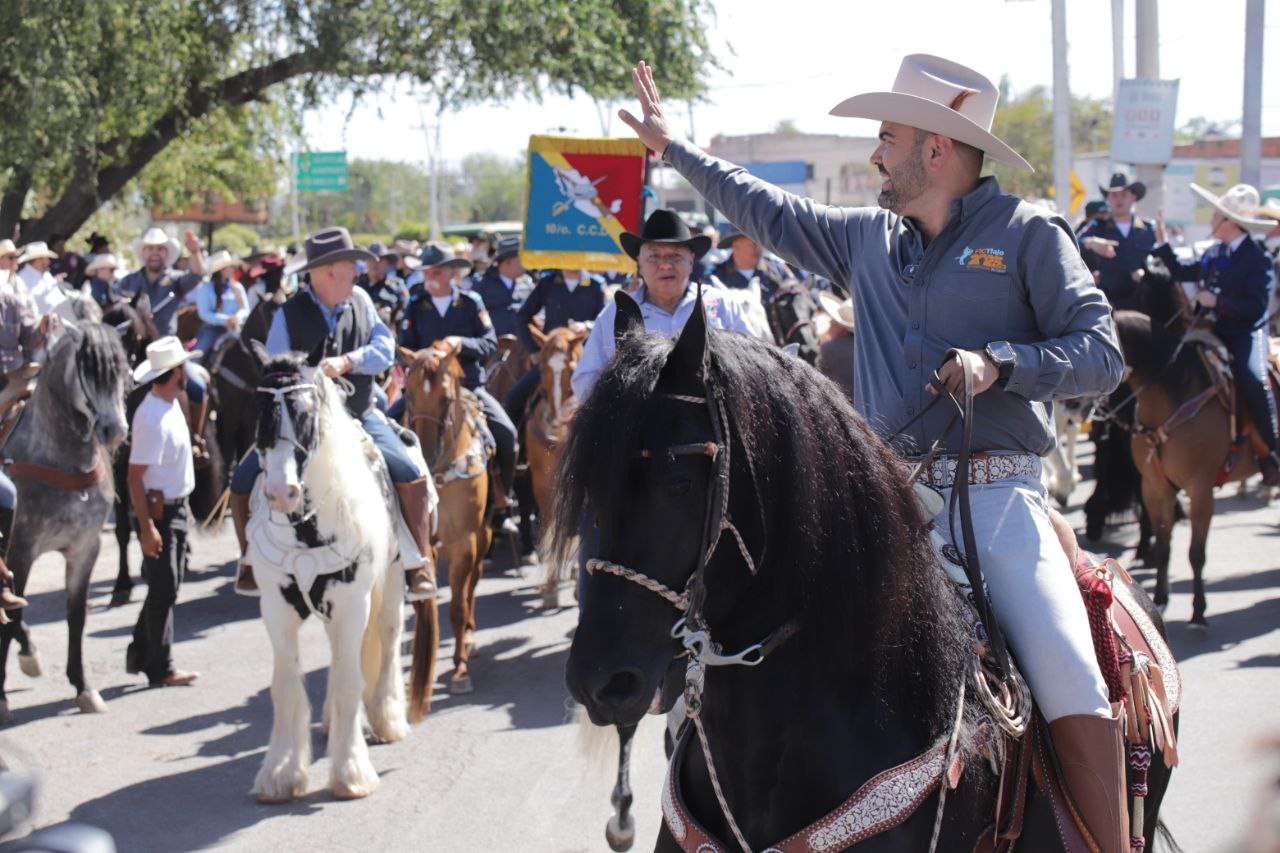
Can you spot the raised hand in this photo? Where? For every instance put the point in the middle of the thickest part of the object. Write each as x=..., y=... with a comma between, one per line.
x=1161, y=236
x=652, y=127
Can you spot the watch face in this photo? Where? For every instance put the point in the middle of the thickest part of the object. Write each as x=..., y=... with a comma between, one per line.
x=1001, y=352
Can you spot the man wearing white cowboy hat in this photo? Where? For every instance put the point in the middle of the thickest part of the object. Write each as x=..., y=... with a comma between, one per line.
x=221, y=302
x=161, y=476
x=102, y=272
x=45, y=290
x=332, y=311
x=1236, y=278
x=1117, y=246
x=835, y=356
x=953, y=274
x=9, y=271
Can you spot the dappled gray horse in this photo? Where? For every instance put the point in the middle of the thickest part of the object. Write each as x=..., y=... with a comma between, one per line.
x=59, y=457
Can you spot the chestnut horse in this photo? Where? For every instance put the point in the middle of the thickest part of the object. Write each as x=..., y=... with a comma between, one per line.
x=1183, y=434
x=547, y=423
x=449, y=423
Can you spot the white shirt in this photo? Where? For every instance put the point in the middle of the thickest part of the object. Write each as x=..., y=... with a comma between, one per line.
x=162, y=441
x=43, y=288
x=442, y=303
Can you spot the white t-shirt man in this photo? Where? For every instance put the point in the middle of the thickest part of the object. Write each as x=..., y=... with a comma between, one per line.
x=162, y=442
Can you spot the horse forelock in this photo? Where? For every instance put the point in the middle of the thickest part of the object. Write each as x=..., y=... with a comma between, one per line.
x=815, y=491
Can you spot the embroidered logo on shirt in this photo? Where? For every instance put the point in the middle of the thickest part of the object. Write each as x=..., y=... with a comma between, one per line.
x=982, y=259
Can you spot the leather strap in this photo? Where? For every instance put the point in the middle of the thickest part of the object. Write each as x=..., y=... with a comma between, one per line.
x=68, y=481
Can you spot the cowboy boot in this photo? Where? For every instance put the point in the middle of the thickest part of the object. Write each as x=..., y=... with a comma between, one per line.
x=245, y=583
x=1270, y=470
x=1092, y=757
x=9, y=600
x=420, y=581
x=504, y=507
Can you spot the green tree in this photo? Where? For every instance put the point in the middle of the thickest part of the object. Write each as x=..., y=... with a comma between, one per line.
x=492, y=188
x=1025, y=122
x=97, y=90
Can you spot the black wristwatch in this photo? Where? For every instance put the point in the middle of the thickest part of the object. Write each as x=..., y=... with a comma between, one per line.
x=1002, y=355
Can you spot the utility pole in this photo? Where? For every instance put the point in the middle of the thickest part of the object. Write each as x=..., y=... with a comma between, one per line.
x=1147, y=55
x=1061, y=111
x=1251, y=122
x=1117, y=50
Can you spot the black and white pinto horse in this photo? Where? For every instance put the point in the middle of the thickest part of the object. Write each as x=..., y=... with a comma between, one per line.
x=63, y=444
x=323, y=540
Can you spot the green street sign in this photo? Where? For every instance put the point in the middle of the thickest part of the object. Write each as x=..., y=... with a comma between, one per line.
x=321, y=171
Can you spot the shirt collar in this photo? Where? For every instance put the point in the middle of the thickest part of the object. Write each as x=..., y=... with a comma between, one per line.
x=328, y=312
x=967, y=205
x=642, y=296
x=1235, y=244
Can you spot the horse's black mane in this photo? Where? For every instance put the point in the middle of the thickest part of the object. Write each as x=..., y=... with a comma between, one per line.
x=1149, y=350
x=846, y=546
x=101, y=357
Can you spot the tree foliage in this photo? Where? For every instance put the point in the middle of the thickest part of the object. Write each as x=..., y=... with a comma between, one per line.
x=1025, y=122
x=97, y=90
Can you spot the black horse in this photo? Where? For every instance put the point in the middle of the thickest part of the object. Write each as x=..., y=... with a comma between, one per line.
x=720, y=451
x=791, y=311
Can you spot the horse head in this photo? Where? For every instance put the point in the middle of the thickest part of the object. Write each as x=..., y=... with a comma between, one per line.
x=288, y=410
x=88, y=373
x=1161, y=298
x=432, y=386
x=558, y=355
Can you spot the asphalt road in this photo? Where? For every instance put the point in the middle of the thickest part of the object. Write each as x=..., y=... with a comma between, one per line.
x=504, y=768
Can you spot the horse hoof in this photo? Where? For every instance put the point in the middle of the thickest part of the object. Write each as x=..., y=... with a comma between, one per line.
x=265, y=800
x=1199, y=625
x=551, y=598
x=620, y=837
x=460, y=685
x=90, y=702
x=120, y=598
x=30, y=665
x=5, y=716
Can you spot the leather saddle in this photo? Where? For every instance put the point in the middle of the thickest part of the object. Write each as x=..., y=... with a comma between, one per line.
x=1141, y=674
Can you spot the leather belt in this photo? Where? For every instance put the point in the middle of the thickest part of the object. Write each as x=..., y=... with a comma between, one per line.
x=983, y=468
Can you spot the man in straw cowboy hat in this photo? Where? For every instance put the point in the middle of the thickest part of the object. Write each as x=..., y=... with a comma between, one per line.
x=1235, y=277
x=45, y=290
x=9, y=280
x=1116, y=247
x=102, y=272
x=835, y=356
x=333, y=312
x=953, y=274
x=161, y=476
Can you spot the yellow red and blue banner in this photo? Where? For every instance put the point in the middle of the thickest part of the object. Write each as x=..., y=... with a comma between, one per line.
x=582, y=194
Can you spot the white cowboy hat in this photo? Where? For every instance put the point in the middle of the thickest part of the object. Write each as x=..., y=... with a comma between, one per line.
x=840, y=311
x=163, y=355
x=219, y=261
x=1239, y=204
x=36, y=250
x=103, y=261
x=7, y=248
x=939, y=96
x=156, y=237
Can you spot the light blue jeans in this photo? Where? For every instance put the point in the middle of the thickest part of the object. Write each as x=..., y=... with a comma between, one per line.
x=1034, y=593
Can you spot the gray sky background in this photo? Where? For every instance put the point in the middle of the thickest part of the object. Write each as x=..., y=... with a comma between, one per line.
x=798, y=59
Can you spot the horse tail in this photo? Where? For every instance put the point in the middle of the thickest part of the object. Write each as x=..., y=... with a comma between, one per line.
x=426, y=640
x=1162, y=830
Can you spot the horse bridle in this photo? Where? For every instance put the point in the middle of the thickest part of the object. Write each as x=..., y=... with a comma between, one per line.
x=280, y=395
x=691, y=629
x=443, y=423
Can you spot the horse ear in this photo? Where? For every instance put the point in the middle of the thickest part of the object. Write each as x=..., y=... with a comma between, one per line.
x=689, y=357
x=317, y=353
x=406, y=355
x=628, y=316
x=259, y=353
x=539, y=336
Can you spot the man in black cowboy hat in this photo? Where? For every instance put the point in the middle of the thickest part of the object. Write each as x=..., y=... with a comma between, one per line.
x=1116, y=248
x=504, y=287
x=359, y=346
x=665, y=252
x=441, y=311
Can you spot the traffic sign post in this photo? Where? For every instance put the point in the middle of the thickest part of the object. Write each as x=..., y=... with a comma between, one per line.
x=321, y=171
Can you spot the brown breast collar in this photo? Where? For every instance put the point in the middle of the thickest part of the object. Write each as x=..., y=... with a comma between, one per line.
x=68, y=481
x=883, y=802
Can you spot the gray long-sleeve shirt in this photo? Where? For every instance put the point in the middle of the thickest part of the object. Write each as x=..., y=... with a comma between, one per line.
x=1001, y=270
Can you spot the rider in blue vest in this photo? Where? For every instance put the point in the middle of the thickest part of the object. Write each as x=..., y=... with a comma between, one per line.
x=359, y=347
x=440, y=311
x=563, y=297
x=500, y=287
x=1236, y=279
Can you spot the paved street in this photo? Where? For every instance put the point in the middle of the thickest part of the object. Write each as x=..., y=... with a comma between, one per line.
x=502, y=769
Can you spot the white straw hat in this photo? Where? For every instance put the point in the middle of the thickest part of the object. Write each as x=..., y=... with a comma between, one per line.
x=163, y=355
x=35, y=251
x=1239, y=204
x=156, y=237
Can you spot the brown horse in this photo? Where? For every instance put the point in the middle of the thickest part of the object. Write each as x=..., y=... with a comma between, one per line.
x=505, y=367
x=547, y=423
x=1183, y=435
x=449, y=423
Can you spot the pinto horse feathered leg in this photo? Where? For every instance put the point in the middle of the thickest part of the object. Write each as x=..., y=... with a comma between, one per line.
x=284, y=769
